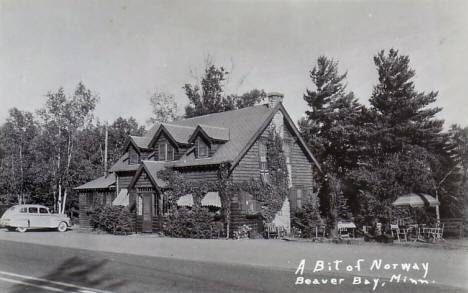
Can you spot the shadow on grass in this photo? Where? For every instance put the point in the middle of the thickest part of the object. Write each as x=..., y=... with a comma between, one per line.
x=73, y=271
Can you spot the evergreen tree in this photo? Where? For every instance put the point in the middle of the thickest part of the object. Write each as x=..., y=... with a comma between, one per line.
x=402, y=144
x=331, y=128
x=400, y=112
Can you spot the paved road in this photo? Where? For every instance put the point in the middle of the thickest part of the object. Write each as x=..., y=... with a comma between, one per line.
x=26, y=267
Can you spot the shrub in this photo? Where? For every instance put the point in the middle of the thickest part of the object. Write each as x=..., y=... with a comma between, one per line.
x=113, y=219
x=305, y=221
x=198, y=223
x=242, y=232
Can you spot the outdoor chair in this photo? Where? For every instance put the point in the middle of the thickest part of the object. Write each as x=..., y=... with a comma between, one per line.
x=281, y=231
x=343, y=233
x=399, y=234
x=343, y=229
x=271, y=230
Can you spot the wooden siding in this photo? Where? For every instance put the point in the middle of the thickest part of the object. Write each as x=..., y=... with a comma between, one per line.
x=213, y=148
x=145, y=155
x=143, y=180
x=301, y=167
x=209, y=174
x=205, y=142
x=248, y=167
x=162, y=138
x=90, y=200
x=123, y=179
x=134, y=157
x=239, y=218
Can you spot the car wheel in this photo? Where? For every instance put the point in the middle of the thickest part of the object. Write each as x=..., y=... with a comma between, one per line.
x=62, y=227
x=22, y=229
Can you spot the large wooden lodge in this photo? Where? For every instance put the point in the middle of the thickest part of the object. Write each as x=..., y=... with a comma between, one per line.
x=196, y=147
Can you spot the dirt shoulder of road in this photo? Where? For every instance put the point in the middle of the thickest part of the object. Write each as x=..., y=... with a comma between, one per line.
x=445, y=266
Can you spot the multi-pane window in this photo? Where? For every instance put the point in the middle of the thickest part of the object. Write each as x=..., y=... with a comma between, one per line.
x=139, y=205
x=202, y=149
x=165, y=152
x=162, y=152
x=299, y=199
x=133, y=156
x=249, y=203
x=287, y=154
x=262, y=152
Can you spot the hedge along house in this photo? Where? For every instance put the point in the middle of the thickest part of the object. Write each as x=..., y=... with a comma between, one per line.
x=197, y=148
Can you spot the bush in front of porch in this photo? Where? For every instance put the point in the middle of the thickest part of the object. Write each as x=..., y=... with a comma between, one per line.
x=116, y=220
x=196, y=223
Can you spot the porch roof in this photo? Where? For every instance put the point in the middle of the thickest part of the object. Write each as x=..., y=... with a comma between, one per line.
x=152, y=168
x=103, y=182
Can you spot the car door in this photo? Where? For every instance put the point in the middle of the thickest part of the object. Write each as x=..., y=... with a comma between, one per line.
x=44, y=218
x=33, y=217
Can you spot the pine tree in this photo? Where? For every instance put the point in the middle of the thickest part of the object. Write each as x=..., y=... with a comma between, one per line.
x=402, y=142
x=331, y=123
x=399, y=111
x=331, y=129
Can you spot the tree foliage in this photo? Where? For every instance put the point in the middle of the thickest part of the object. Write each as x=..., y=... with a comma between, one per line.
x=209, y=96
x=331, y=128
x=44, y=156
x=371, y=155
x=164, y=108
x=17, y=154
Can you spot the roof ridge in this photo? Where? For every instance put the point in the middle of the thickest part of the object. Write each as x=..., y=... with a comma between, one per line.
x=201, y=125
x=217, y=113
x=176, y=125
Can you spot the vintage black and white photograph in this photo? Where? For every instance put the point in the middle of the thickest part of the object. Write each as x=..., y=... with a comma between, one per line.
x=233, y=146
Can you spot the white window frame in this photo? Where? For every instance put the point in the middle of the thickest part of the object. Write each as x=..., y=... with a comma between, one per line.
x=198, y=149
x=165, y=156
x=164, y=153
x=299, y=198
x=262, y=153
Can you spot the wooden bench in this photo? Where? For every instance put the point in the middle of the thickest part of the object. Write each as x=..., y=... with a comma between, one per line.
x=453, y=226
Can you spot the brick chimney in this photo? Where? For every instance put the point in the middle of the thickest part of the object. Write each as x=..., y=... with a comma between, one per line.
x=274, y=98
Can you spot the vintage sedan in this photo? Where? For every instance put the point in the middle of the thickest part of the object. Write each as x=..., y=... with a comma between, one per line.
x=33, y=216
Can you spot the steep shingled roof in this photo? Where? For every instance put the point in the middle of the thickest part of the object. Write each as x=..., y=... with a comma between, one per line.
x=238, y=129
x=243, y=124
x=121, y=165
x=140, y=141
x=103, y=182
x=236, y=126
x=213, y=132
x=151, y=168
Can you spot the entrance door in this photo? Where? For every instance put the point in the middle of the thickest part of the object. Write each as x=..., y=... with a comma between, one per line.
x=147, y=212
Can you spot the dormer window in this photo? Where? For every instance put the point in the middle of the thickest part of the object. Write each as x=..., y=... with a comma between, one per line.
x=165, y=152
x=133, y=157
x=262, y=153
x=202, y=149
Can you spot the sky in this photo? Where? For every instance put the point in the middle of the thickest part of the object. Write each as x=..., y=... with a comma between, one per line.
x=126, y=50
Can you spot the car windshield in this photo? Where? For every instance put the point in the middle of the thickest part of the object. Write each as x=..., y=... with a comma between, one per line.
x=23, y=210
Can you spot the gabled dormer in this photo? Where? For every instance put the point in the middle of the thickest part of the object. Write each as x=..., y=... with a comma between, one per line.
x=135, y=148
x=170, y=142
x=207, y=139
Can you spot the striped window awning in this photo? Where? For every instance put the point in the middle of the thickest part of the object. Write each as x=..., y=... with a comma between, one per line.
x=185, y=200
x=346, y=225
x=122, y=198
x=211, y=199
